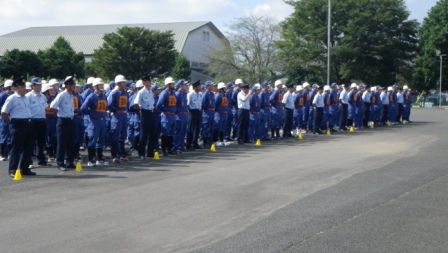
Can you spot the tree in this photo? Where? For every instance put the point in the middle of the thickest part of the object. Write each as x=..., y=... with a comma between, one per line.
x=433, y=35
x=250, y=52
x=16, y=63
x=181, y=68
x=371, y=41
x=133, y=51
x=60, y=60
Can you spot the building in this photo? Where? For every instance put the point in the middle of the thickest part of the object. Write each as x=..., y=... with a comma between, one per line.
x=194, y=39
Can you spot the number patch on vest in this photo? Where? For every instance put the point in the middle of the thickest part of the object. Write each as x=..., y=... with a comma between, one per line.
x=280, y=98
x=123, y=101
x=75, y=102
x=101, y=106
x=171, y=101
x=225, y=101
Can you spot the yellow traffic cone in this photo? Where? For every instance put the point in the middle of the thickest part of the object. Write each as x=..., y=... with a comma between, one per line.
x=156, y=156
x=352, y=129
x=372, y=125
x=78, y=166
x=18, y=175
x=258, y=143
x=300, y=137
x=404, y=122
x=213, y=148
x=388, y=123
x=328, y=132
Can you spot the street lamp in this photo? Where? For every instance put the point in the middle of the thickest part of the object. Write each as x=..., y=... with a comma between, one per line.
x=328, y=42
x=440, y=55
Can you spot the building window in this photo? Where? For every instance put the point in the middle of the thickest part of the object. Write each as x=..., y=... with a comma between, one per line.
x=205, y=36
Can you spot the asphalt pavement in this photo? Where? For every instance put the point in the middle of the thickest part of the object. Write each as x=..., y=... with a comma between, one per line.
x=375, y=190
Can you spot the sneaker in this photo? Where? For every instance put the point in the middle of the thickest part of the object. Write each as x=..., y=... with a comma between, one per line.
x=218, y=144
x=50, y=159
x=3, y=158
x=91, y=164
x=124, y=159
x=99, y=163
x=225, y=144
x=63, y=168
x=115, y=160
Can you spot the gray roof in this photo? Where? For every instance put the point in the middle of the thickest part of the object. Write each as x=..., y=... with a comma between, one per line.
x=87, y=38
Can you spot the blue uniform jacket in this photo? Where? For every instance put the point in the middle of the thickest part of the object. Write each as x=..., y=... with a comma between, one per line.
x=95, y=106
x=167, y=102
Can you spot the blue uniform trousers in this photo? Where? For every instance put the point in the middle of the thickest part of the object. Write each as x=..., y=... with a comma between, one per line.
x=157, y=129
x=359, y=112
x=334, y=116
x=277, y=117
x=147, y=133
x=181, y=131
x=21, y=144
x=265, y=119
x=4, y=137
x=306, y=114
x=207, y=124
x=235, y=123
x=118, y=130
x=325, y=118
x=96, y=131
x=298, y=118
x=39, y=134
x=168, y=123
x=65, y=149
x=311, y=117
x=228, y=132
x=254, y=126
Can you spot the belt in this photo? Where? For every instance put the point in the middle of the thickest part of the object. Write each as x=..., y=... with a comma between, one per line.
x=37, y=119
x=158, y=115
x=299, y=109
x=49, y=120
x=181, y=112
x=211, y=109
x=171, y=113
x=145, y=110
x=278, y=106
x=334, y=105
x=266, y=107
x=254, y=112
x=121, y=112
x=21, y=120
x=97, y=118
x=222, y=111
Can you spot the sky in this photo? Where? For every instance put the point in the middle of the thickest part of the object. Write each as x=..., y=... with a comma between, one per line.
x=20, y=14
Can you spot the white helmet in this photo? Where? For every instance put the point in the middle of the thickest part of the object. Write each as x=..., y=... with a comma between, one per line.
x=326, y=87
x=90, y=80
x=221, y=85
x=278, y=82
x=119, y=79
x=45, y=87
x=53, y=82
x=373, y=89
x=299, y=88
x=305, y=84
x=97, y=81
x=28, y=85
x=238, y=81
x=354, y=85
x=139, y=84
x=8, y=83
x=169, y=80
x=257, y=86
x=404, y=87
x=390, y=88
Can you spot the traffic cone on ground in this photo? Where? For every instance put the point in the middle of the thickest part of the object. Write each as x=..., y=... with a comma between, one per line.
x=328, y=132
x=258, y=143
x=78, y=166
x=213, y=148
x=372, y=125
x=404, y=122
x=156, y=156
x=18, y=175
x=388, y=123
x=300, y=137
x=352, y=129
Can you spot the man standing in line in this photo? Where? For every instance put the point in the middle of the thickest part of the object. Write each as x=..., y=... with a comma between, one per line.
x=167, y=103
x=343, y=99
x=118, y=107
x=277, y=114
x=288, y=103
x=243, y=112
x=265, y=111
x=194, y=118
x=208, y=106
x=181, y=116
x=318, y=104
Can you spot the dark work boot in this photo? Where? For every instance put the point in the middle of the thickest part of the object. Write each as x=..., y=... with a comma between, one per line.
x=164, y=146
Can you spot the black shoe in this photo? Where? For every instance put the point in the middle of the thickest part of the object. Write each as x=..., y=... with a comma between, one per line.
x=44, y=164
x=28, y=173
x=71, y=166
x=197, y=147
x=12, y=174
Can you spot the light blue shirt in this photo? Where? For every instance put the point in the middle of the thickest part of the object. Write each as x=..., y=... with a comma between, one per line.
x=288, y=100
x=243, y=104
x=194, y=100
x=64, y=104
x=17, y=107
x=384, y=98
x=343, y=97
x=145, y=99
x=400, y=98
x=319, y=100
x=38, y=104
x=366, y=97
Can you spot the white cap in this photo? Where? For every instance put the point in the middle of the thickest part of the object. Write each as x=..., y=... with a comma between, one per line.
x=8, y=83
x=169, y=80
x=28, y=85
x=46, y=86
x=305, y=84
x=278, y=82
x=90, y=80
x=44, y=82
x=299, y=88
x=238, y=81
x=257, y=86
x=53, y=82
x=390, y=88
x=221, y=85
x=97, y=81
x=327, y=87
x=354, y=85
x=106, y=86
x=120, y=78
x=139, y=84
x=404, y=87
x=373, y=89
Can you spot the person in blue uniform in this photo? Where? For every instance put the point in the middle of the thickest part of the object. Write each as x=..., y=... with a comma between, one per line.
x=134, y=119
x=208, y=105
x=144, y=104
x=366, y=96
x=88, y=89
x=343, y=100
x=352, y=98
x=243, y=112
x=4, y=124
x=306, y=105
x=157, y=114
x=359, y=107
x=265, y=111
x=313, y=93
x=236, y=90
x=384, y=106
x=288, y=103
x=254, y=117
x=167, y=104
x=117, y=104
x=220, y=117
x=334, y=108
x=181, y=116
x=38, y=104
x=95, y=107
x=228, y=132
x=17, y=111
x=51, y=118
x=327, y=104
x=277, y=113
x=298, y=111
x=318, y=104
x=194, y=102
x=63, y=105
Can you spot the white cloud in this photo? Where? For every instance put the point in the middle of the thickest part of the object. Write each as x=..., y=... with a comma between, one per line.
x=272, y=8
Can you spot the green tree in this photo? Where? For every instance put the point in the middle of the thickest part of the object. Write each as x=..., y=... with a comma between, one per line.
x=16, y=63
x=250, y=53
x=181, y=68
x=371, y=41
x=133, y=51
x=60, y=60
x=433, y=35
